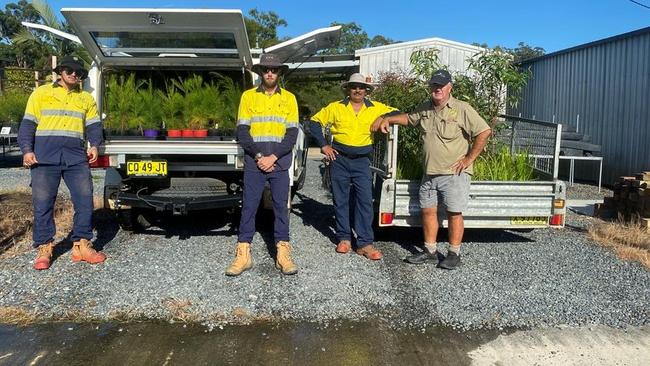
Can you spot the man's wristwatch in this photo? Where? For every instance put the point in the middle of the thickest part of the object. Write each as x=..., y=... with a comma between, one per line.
x=258, y=156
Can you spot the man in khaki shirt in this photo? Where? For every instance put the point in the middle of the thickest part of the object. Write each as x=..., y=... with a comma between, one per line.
x=453, y=135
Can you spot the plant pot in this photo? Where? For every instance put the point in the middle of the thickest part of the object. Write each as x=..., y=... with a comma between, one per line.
x=201, y=133
x=174, y=133
x=150, y=133
x=187, y=133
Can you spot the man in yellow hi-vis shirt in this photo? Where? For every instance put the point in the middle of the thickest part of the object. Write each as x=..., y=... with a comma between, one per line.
x=267, y=128
x=349, y=153
x=58, y=119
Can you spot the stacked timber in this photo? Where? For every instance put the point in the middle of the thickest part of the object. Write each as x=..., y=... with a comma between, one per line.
x=630, y=201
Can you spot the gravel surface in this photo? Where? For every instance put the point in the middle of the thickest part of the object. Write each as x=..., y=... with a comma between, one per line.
x=545, y=277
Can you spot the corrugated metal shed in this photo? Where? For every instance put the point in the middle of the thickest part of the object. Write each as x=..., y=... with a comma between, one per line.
x=602, y=89
x=396, y=57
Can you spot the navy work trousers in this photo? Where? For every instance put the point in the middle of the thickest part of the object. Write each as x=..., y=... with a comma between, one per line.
x=352, y=193
x=45, y=186
x=254, y=181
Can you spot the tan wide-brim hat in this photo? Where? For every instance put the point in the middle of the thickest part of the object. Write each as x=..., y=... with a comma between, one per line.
x=358, y=78
x=269, y=60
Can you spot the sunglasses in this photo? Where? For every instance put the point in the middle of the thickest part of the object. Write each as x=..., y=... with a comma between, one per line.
x=273, y=70
x=80, y=73
x=357, y=86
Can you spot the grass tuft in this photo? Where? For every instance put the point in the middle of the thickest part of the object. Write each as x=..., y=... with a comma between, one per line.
x=17, y=316
x=629, y=240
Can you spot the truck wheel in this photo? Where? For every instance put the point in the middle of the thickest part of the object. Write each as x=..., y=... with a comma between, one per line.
x=125, y=219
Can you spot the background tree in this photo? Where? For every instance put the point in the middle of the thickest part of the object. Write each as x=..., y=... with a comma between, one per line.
x=28, y=54
x=55, y=46
x=262, y=28
x=380, y=40
x=524, y=52
x=353, y=37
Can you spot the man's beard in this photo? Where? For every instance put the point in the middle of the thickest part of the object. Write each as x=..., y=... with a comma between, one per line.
x=268, y=84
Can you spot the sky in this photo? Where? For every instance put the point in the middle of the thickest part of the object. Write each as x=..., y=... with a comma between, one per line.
x=552, y=24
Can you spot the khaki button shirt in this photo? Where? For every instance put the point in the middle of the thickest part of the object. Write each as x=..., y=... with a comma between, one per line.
x=446, y=134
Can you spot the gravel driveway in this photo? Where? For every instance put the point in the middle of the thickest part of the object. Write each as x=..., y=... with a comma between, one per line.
x=508, y=279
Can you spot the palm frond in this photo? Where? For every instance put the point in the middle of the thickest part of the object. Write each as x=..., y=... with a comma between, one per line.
x=47, y=14
x=24, y=36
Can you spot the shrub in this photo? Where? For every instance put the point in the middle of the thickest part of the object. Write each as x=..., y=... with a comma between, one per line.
x=12, y=105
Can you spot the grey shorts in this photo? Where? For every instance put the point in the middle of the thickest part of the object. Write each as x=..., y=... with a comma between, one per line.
x=452, y=190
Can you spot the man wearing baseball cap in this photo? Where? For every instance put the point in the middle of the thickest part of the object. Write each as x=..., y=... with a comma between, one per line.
x=267, y=128
x=454, y=135
x=60, y=119
x=349, y=154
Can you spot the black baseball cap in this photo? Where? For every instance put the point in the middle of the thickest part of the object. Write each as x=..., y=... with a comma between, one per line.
x=440, y=77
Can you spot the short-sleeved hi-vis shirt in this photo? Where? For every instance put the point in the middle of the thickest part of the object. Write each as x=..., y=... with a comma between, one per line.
x=446, y=134
x=350, y=128
x=57, y=122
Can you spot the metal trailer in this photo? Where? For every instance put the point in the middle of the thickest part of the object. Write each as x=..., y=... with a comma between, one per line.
x=492, y=204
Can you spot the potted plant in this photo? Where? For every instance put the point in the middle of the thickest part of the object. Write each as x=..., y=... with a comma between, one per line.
x=228, y=106
x=172, y=105
x=121, y=93
x=150, y=110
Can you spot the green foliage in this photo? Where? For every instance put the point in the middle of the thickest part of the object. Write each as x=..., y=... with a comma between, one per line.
x=20, y=79
x=495, y=83
x=314, y=94
x=261, y=28
x=498, y=164
x=173, y=105
x=54, y=45
x=184, y=103
x=150, y=116
x=31, y=54
x=194, y=97
x=404, y=93
x=424, y=62
x=353, y=38
x=524, y=52
x=12, y=105
x=122, y=103
x=228, y=107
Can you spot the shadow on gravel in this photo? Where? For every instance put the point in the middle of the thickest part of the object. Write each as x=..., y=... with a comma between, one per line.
x=317, y=215
x=11, y=161
x=576, y=229
x=411, y=238
x=199, y=223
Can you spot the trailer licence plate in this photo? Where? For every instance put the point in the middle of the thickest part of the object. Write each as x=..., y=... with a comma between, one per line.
x=146, y=168
x=529, y=220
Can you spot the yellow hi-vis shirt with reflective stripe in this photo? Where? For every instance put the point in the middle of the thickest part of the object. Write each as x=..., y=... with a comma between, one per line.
x=268, y=116
x=350, y=128
x=58, y=112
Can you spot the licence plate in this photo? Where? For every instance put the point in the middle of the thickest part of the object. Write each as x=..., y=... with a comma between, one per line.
x=529, y=220
x=146, y=168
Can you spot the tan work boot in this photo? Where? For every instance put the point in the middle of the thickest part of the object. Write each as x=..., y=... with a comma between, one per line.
x=44, y=256
x=283, y=260
x=243, y=260
x=82, y=250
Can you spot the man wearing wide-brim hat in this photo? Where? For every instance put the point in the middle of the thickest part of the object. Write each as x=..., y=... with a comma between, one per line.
x=267, y=128
x=349, y=155
x=453, y=136
x=60, y=119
